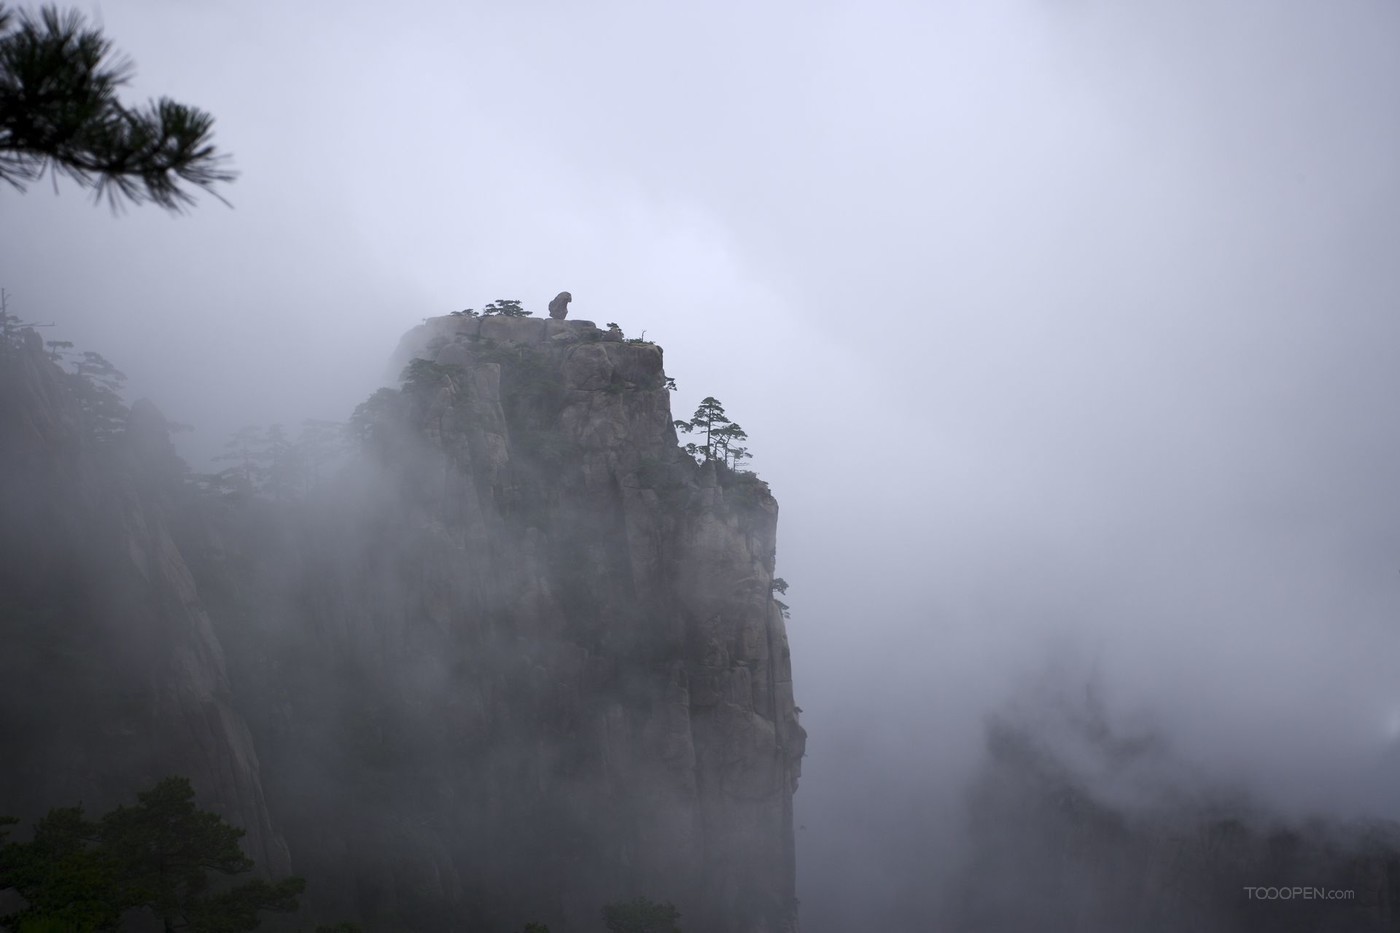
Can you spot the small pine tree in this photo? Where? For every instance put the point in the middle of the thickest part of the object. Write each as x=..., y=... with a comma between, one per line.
x=709, y=417
x=422, y=376
x=723, y=438
x=98, y=385
x=505, y=307
x=726, y=446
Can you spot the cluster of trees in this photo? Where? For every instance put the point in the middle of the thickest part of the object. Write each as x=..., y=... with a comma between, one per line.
x=168, y=860
x=723, y=437
x=163, y=858
x=505, y=307
x=270, y=462
x=95, y=382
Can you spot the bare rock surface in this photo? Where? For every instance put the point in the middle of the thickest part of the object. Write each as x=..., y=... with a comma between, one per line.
x=112, y=677
x=572, y=641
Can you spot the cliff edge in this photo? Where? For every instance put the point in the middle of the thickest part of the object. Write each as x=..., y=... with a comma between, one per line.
x=530, y=645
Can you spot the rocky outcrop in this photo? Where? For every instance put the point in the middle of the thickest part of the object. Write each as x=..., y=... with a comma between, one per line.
x=111, y=677
x=540, y=667
x=521, y=659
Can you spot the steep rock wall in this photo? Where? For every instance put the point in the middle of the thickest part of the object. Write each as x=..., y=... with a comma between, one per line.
x=533, y=650
x=111, y=677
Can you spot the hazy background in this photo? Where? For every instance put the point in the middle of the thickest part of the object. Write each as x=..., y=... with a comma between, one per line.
x=1062, y=329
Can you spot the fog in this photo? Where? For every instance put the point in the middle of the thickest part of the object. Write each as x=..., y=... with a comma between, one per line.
x=1062, y=331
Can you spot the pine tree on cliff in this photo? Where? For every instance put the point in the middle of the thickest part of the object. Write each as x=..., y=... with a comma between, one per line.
x=722, y=436
x=59, y=113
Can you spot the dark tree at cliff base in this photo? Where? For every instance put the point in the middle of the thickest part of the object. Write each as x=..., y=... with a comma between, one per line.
x=157, y=856
x=59, y=113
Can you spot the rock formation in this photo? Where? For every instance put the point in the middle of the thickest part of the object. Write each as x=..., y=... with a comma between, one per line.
x=553, y=627
x=521, y=659
x=111, y=676
x=559, y=306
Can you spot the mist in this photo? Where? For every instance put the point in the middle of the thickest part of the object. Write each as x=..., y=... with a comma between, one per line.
x=1060, y=330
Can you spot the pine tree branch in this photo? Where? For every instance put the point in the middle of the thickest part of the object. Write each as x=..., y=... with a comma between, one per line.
x=59, y=113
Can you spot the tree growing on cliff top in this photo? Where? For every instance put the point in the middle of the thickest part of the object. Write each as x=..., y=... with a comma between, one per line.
x=59, y=113
x=97, y=384
x=505, y=307
x=156, y=856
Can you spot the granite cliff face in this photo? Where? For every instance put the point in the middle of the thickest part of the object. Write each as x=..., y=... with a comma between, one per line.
x=517, y=658
x=526, y=660
x=111, y=677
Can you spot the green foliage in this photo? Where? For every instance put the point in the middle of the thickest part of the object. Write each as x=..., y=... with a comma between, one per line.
x=95, y=383
x=339, y=928
x=15, y=333
x=95, y=368
x=59, y=113
x=422, y=376
x=641, y=915
x=156, y=856
x=62, y=879
x=727, y=447
x=722, y=436
x=98, y=385
x=781, y=586
x=505, y=307
x=465, y=312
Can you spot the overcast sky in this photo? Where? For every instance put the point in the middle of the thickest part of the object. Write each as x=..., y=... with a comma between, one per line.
x=1057, y=326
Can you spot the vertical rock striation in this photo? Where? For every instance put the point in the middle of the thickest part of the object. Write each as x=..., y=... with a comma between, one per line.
x=520, y=660
x=549, y=638
x=111, y=677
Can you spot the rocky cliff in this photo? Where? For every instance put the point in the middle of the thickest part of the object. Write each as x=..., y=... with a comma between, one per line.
x=524, y=660
x=111, y=677
x=515, y=657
